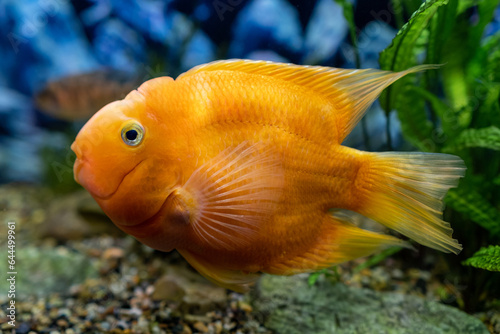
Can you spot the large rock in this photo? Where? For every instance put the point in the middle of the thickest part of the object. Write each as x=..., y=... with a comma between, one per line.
x=194, y=293
x=42, y=271
x=76, y=216
x=289, y=305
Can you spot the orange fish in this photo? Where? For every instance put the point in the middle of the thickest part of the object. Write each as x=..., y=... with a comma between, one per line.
x=239, y=166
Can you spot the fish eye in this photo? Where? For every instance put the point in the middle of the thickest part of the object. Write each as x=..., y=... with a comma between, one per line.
x=132, y=134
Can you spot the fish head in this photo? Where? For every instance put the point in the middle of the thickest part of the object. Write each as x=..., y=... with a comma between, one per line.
x=121, y=160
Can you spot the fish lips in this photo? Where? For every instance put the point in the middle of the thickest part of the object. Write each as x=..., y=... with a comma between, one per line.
x=87, y=177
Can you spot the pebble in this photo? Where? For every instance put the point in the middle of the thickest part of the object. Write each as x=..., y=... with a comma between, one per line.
x=186, y=330
x=200, y=326
x=62, y=323
x=192, y=318
x=245, y=307
x=113, y=253
x=166, y=288
x=217, y=325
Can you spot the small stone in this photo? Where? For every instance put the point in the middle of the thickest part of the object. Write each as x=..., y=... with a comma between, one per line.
x=53, y=313
x=6, y=326
x=149, y=290
x=397, y=273
x=113, y=253
x=200, y=326
x=62, y=323
x=218, y=327
x=186, y=330
x=167, y=288
x=105, y=326
x=191, y=318
x=245, y=307
x=64, y=312
x=80, y=311
x=379, y=279
x=93, y=252
x=142, y=325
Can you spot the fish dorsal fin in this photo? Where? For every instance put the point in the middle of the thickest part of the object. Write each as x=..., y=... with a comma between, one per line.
x=230, y=279
x=226, y=199
x=351, y=91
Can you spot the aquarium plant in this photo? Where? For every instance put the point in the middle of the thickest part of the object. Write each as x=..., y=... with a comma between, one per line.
x=455, y=110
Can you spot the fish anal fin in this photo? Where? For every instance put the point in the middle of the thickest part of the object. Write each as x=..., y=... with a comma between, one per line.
x=340, y=242
x=351, y=91
x=232, y=194
x=235, y=280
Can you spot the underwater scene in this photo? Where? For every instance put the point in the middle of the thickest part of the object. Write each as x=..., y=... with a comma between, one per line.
x=250, y=166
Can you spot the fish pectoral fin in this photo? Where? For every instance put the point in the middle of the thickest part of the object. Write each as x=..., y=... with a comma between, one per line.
x=351, y=91
x=340, y=241
x=231, y=195
x=230, y=279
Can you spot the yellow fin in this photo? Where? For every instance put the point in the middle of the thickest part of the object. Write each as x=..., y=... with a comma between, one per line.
x=340, y=242
x=230, y=279
x=351, y=91
x=404, y=191
x=232, y=194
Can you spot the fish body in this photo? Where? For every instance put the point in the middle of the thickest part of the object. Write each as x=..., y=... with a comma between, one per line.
x=238, y=164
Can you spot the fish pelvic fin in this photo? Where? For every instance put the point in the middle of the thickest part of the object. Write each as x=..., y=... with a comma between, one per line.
x=235, y=280
x=350, y=91
x=340, y=241
x=404, y=191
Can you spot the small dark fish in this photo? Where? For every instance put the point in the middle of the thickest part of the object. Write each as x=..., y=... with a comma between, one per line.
x=79, y=96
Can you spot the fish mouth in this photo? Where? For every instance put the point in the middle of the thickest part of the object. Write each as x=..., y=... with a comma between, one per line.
x=80, y=164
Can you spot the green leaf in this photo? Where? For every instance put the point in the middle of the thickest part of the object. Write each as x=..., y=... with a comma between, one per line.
x=486, y=11
x=487, y=258
x=313, y=277
x=496, y=180
x=327, y=272
x=442, y=110
x=397, y=7
x=375, y=259
x=411, y=6
x=468, y=201
x=486, y=138
x=349, y=16
x=440, y=30
x=460, y=49
x=491, y=46
x=463, y=5
x=400, y=55
x=415, y=125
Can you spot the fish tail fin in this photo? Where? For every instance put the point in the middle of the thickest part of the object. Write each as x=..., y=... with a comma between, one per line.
x=339, y=242
x=404, y=191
